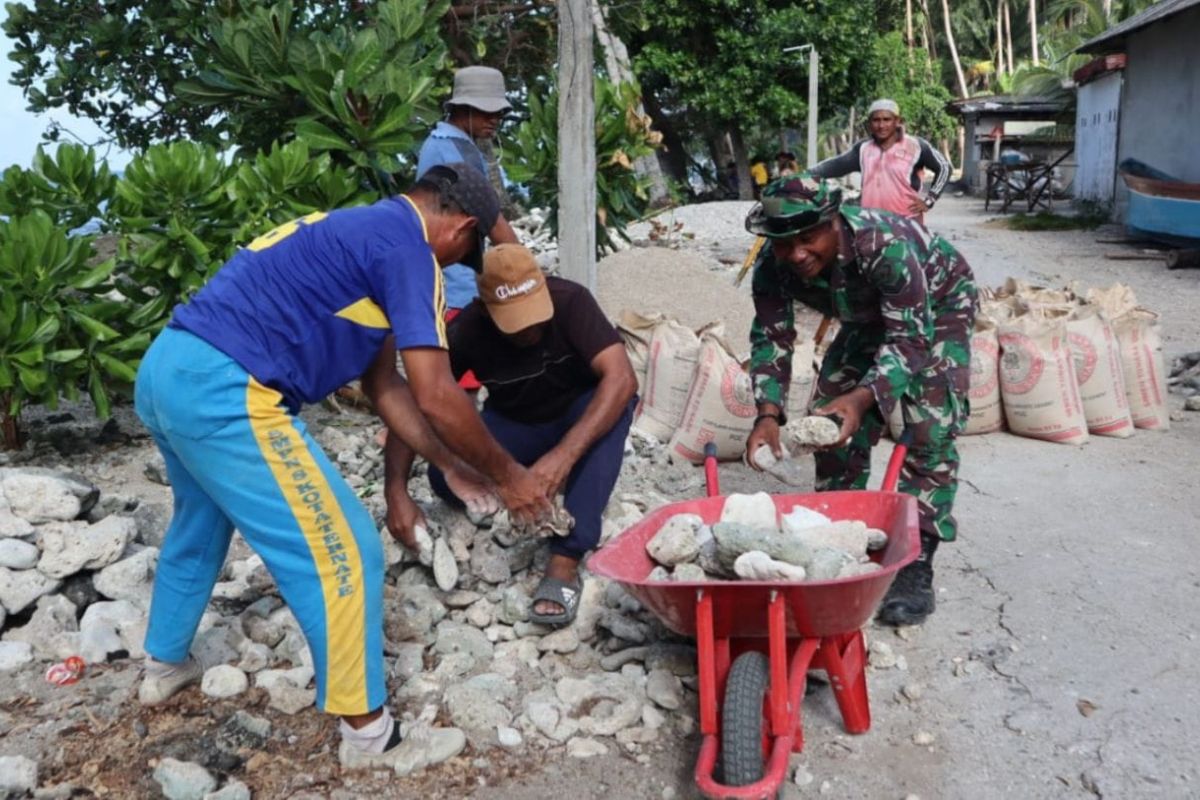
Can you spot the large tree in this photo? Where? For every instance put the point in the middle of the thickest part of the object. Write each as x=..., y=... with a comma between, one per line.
x=359, y=81
x=717, y=67
x=118, y=62
x=121, y=63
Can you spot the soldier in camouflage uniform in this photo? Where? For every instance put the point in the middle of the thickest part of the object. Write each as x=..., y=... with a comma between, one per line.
x=906, y=300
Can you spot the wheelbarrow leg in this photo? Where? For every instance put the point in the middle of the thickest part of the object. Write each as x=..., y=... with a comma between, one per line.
x=713, y=657
x=844, y=657
x=802, y=659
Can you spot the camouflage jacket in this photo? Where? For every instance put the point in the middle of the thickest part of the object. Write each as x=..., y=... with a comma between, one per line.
x=892, y=278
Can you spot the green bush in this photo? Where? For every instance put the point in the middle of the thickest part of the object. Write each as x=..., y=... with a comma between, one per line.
x=175, y=219
x=622, y=136
x=286, y=183
x=69, y=187
x=72, y=321
x=364, y=95
x=69, y=324
x=61, y=326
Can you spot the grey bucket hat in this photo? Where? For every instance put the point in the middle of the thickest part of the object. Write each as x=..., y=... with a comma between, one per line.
x=481, y=88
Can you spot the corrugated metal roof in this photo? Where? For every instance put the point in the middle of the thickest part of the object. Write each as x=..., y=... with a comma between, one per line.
x=1006, y=104
x=1113, y=38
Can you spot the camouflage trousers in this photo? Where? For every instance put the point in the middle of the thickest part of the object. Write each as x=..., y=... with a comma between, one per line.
x=935, y=409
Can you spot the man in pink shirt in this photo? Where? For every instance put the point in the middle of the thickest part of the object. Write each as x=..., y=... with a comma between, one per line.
x=892, y=164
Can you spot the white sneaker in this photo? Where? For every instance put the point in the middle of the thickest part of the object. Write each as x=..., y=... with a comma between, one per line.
x=163, y=680
x=421, y=747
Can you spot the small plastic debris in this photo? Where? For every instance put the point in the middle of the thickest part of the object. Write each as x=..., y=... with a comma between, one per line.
x=64, y=673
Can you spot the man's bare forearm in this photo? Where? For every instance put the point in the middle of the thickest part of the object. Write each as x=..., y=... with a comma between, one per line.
x=396, y=406
x=397, y=461
x=502, y=232
x=458, y=424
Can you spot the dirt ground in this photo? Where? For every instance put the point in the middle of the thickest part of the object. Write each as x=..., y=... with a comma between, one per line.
x=1056, y=666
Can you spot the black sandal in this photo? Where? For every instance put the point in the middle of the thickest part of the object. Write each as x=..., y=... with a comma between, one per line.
x=564, y=594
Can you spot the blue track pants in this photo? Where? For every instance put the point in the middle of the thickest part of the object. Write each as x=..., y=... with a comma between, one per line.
x=236, y=457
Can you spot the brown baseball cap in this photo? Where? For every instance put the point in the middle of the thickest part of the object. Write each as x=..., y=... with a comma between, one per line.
x=513, y=288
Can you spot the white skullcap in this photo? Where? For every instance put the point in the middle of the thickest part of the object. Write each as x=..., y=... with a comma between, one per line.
x=891, y=106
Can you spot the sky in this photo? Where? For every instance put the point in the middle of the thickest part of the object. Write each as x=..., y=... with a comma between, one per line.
x=21, y=130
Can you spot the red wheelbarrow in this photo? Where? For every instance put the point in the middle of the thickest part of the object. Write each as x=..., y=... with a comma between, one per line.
x=756, y=640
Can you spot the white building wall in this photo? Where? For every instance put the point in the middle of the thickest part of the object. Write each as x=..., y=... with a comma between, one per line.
x=1097, y=119
x=1160, y=111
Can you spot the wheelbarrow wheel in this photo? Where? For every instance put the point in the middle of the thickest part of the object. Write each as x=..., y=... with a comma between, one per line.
x=743, y=720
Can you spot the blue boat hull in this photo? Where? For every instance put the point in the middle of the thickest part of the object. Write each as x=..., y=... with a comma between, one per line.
x=1174, y=220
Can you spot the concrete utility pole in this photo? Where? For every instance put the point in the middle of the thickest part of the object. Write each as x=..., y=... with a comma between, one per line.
x=576, y=145
x=812, y=98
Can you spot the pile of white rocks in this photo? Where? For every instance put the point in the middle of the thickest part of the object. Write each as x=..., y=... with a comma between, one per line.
x=534, y=232
x=76, y=573
x=1185, y=379
x=461, y=638
x=752, y=541
x=699, y=225
x=82, y=564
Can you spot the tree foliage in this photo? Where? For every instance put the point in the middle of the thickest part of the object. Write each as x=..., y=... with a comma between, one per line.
x=1070, y=23
x=358, y=80
x=114, y=62
x=71, y=322
x=724, y=60
x=363, y=94
x=517, y=38
x=902, y=76
x=622, y=136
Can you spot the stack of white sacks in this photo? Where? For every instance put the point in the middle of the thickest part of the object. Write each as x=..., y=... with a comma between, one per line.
x=1051, y=364
x=1064, y=364
x=694, y=390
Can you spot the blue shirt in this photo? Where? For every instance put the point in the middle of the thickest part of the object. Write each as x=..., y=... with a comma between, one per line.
x=446, y=145
x=306, y=307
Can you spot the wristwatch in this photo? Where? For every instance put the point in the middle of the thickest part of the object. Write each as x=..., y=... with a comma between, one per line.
x=779, y=417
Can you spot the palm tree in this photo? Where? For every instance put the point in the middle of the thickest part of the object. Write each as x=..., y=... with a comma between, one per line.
x=1069, y=24
x=958, y=70
x=1033, y=32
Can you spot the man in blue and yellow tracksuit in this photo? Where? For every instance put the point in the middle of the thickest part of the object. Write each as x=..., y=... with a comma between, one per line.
x=290, y=318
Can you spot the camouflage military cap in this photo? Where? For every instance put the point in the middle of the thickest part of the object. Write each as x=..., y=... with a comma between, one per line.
x=793, y=204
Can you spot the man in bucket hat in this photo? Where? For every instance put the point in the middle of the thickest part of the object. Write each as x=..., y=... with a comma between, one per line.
x=906, y=300
x=892, y=163
x=474, y=111
x=560, y=399
x=297, y=313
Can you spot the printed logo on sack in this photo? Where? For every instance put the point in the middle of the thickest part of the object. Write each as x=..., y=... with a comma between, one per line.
x=504, y=291
x=1084, y=353
x=737, y=393
x=1021, y=365
x=984, y=370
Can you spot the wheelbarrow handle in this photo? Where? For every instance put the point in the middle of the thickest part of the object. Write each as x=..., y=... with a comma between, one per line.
x=712, y=483
x=891, y=478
